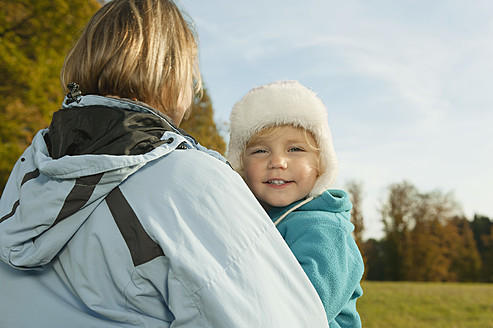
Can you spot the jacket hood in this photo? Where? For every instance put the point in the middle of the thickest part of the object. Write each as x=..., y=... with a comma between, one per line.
x=90, y=148
x=333, y=200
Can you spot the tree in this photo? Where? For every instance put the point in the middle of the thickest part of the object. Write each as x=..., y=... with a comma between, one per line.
x=34, y=38
x=201, y=124
x=430, y=241
x=427, y=238
x=397, y=217
x=375, y=260
x=482, y=229
x=487, y=258
x=466, y=261
x=355, y=190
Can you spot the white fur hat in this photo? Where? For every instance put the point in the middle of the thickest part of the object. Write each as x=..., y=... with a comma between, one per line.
x=280, y=103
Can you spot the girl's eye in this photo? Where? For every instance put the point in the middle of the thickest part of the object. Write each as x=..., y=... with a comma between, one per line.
x=295, y=149
x=258, y=151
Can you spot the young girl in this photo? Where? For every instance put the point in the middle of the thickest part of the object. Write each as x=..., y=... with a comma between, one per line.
x=281, y=145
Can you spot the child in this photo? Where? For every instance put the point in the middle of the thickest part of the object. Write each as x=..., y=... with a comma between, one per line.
x=281, y=145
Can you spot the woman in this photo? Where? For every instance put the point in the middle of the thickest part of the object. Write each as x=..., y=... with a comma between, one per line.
x=113, y=217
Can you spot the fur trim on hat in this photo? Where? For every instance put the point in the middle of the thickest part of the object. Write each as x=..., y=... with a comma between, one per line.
x=280, y=103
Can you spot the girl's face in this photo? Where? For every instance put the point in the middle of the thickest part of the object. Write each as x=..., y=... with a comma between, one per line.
x=281, y=168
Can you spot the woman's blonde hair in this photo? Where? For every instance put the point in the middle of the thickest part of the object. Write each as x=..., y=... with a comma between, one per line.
x=142, y=49
x=272, y=130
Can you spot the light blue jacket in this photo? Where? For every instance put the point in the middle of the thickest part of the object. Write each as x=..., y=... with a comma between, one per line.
x=170, y=237
x=319, y=235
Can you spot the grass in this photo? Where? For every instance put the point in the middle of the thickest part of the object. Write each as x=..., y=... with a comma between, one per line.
x=416, y=305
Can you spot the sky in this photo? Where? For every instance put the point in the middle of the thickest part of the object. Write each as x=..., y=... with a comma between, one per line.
x=407, y=85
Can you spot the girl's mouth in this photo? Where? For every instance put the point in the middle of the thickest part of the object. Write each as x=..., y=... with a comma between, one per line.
x=277, y=182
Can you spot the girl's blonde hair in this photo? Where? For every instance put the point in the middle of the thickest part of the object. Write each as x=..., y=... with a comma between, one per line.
x=273, y=130
x=141, y=49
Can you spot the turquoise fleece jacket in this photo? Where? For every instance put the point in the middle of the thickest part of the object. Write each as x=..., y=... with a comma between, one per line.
x=319, y=235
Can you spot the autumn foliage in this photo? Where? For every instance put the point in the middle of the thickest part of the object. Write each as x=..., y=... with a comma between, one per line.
x=427, y=238
x=34, y=38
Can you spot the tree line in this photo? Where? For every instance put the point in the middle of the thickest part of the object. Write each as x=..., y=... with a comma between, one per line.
x=426, y=238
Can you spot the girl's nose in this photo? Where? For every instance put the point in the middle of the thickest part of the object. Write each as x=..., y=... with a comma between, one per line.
x=277, y=162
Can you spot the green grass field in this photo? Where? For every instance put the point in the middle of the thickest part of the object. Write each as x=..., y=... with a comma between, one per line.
x=437, y=305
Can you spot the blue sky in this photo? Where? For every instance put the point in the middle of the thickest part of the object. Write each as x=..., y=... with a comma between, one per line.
x=407, y=84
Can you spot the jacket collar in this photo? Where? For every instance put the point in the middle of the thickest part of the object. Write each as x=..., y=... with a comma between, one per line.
x=104, y=125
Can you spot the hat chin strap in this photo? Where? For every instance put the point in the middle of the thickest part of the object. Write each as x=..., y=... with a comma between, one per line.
x=292, y=209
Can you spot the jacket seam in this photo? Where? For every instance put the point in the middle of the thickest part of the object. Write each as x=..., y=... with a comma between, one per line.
x=130, y=281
